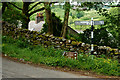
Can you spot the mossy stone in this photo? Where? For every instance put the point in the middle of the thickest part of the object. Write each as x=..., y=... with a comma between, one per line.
x=74, y=43
x=68, y=44
x=73, y=39
x=47, y=42
x=60, y=37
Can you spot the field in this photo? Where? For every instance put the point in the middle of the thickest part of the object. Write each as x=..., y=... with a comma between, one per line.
x=59, y=11
x=87, y=17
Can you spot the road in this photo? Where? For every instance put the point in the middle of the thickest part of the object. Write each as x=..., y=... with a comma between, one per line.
x=11, y=69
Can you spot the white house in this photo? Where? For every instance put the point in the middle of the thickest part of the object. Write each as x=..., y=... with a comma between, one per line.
x=36, y=25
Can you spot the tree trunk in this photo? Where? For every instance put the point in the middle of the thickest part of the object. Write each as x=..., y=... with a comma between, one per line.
x=48, y=17
x=26, y=14
x=4, y=5
x=118, y=24
x=66, y=17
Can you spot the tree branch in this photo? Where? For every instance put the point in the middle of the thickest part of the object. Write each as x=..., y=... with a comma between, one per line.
x=4, y=5
x=15, y=6
x=114, y=6
x=36, y=11
x=34, y=6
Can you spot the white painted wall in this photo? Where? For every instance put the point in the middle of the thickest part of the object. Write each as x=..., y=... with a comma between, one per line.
x=32, y=26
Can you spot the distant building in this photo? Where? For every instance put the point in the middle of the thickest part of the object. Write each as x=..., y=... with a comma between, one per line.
x=37, y=25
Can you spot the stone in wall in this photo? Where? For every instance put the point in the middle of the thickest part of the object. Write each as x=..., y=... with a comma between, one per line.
x=58, y=42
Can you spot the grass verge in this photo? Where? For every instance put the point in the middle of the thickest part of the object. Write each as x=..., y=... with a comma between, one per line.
x=53, y=57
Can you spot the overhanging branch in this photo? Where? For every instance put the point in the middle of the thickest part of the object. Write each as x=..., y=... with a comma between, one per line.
x=36, y=11
x=34, y=6
x=15, y=6
x=114, y=6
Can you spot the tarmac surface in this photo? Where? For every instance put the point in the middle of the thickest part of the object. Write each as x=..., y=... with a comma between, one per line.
x=11, y=69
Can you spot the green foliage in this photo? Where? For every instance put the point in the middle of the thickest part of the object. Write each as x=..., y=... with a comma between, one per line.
x=12, y=14
x=57, y=25
x=59, y=12
x=19, y=42
x=53, y=57
x=112, y=16
x=87, y=17
x=101, y=37
x=112, y=19
x=67, y=6
x=76, y=14
x=75, y=37
x=92, y=5
x=0, y=6
x=80, y=14
x=6, y=39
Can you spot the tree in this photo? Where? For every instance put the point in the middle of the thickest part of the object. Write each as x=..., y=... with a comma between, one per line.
x=95, y=5
x=4, y=5
x=66, y=17
x=48, y=17
x=26, y=11
x=56, y=24
x=10, y=13
x=112, y=21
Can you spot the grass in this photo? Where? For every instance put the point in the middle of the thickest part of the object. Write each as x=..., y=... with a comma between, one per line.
x=53, y=57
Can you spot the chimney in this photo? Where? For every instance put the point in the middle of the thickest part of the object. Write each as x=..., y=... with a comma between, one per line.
x=39, y=17
x=39, y=14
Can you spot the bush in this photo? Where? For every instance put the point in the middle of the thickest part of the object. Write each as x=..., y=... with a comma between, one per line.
x=101, y=37
x=80, y=14
x=18, y=42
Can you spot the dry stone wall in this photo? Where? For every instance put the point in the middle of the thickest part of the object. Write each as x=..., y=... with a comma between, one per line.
x=35, y=38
